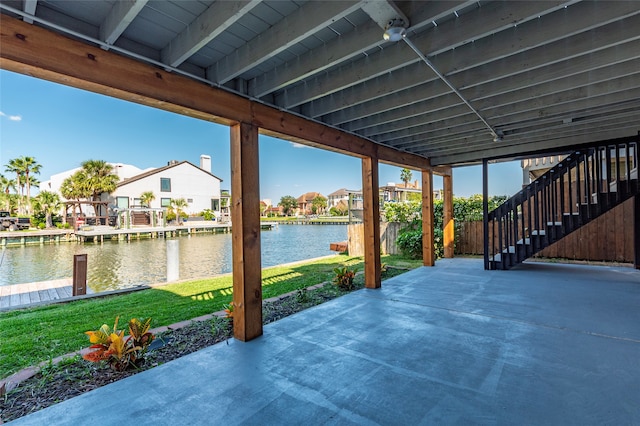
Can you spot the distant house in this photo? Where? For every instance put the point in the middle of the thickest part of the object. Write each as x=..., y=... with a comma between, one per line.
x=341, y=196
x=274, y=211
x=396, y=192
x=178, y=179
x=124, y=171
x=305, y=202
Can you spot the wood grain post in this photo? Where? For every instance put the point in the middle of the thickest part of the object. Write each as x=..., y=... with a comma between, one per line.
x=449, y=230
x=428, y=250
x=485, y=213
x=371, y=222
x=636, y=232
x=245, y=217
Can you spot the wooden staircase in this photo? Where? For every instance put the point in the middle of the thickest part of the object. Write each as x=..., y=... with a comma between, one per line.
x=580, y=188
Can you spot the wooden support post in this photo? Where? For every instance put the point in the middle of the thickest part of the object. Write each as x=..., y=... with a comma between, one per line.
x=79, y=287
x=448, y=223
x=245, y=217
x=485, y=211
x=428, y=250
x=636, y=226
x=371, y=221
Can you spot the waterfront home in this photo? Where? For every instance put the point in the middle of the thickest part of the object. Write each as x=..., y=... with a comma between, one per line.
x=178, y=179
x=305, y=202
x=340, y=198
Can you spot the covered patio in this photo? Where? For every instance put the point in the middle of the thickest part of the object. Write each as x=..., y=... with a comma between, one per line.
x=541, y=344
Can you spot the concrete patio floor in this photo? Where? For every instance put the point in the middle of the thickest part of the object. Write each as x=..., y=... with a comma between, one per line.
x=454, y=344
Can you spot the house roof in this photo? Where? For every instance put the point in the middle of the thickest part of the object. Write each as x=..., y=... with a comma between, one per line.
x=471, y=80
x=162, y=169
x=309, y=196
x=342, y=192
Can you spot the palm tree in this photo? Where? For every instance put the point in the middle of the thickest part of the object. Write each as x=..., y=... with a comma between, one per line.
x=405, y=176
x=76, y=187
x=179, y=204
x=49, y=203
x=146, y=198
x=6, y=185
x=15, y=166
x=29, y=166
x=100, y=176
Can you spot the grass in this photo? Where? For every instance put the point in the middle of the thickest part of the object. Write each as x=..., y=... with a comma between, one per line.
x=30, y=336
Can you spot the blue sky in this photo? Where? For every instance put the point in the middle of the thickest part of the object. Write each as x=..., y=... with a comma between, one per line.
x=62, y=126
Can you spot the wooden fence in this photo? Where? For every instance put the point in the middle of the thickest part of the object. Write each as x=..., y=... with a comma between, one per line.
x=388, y=236
x=607, y=238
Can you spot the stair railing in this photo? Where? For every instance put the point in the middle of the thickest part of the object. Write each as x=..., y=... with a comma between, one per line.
x=575, y=191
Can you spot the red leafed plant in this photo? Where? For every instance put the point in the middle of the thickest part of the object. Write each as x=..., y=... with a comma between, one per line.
x=110, y=344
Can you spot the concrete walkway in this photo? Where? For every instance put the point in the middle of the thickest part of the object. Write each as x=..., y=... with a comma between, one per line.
x=454, y=344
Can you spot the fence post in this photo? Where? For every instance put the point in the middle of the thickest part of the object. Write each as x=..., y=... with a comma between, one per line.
x=79, y=275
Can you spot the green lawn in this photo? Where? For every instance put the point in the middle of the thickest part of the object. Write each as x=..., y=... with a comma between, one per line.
x=29, y=336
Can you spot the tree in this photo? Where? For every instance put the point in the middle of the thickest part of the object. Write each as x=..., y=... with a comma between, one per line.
x=24, y=168
x=179, y=204
x=76, y=187
x=100, y=177
x=95, y=177
x=49, y=203
x=318, y=205
x=6, y=185
x=288, y=203
x=146, y=198
x=405, y=176
x=15, y=166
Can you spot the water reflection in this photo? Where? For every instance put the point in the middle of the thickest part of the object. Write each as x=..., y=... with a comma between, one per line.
x=114, y=265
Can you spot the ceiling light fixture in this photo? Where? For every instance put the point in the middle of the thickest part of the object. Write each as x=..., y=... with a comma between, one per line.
x=395, y=30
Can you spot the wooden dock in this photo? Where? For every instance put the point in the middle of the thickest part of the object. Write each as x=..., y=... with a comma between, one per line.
x=102, y=233
x=17, y=296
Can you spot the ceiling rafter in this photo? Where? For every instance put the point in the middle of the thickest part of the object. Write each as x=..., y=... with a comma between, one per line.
x=434, y=41
x=290, y=30
x=119, y=18
x=210, y=24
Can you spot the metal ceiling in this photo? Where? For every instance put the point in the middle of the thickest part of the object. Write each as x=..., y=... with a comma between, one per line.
x=476, y=79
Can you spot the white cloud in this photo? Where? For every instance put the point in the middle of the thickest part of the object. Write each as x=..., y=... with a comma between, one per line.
x=11, y=117
x=298, y=145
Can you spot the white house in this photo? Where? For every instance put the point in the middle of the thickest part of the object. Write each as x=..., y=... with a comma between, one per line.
x=178, y=179
x=341, y=196
x=124, y=171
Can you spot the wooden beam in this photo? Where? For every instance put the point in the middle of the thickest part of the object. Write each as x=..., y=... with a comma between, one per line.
x=371, y=208
x=485, y=211
x=448, y=231
x=636, y=233
x=428, y=249
x=245, y=216
x=38, y=52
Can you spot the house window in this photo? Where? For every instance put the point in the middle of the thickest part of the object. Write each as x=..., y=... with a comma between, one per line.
x=122, y=202
x=137, y=202
x=189, y=200
x=165, y=202
x=215, y=204
x=165, y=184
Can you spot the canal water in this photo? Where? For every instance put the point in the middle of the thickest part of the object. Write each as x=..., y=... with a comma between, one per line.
x=117, y=265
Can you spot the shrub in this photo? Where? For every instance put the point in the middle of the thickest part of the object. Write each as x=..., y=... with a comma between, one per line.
x=207, y=214
x=228, y=309
x=410, y=241
x=111, y=346
x=344, y=278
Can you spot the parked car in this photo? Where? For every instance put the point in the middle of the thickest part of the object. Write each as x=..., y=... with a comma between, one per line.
x=13, y=223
